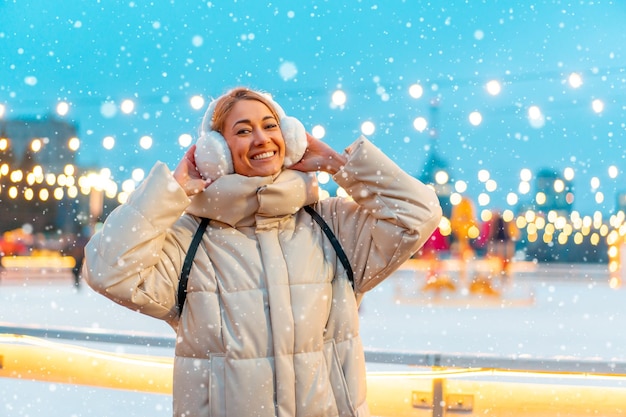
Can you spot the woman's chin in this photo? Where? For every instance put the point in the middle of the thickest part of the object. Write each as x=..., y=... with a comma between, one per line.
x=262, y=168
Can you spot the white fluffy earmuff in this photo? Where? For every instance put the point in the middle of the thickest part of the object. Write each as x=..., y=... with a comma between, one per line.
x=214, y=159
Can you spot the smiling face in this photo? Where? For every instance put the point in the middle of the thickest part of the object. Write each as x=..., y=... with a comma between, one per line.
x=254, y=138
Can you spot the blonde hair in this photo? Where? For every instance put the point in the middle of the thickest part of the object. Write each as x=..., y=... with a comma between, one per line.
x=225, y=104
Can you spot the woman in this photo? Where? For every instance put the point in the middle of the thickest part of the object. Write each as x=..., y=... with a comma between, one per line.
x=270, y=322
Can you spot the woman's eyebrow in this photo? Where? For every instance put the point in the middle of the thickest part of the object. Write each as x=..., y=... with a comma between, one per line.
x=247, y=121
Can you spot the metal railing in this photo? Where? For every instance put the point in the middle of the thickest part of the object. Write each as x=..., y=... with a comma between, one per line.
x=421, y=359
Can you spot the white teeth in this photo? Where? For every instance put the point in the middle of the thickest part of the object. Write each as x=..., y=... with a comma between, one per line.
x=263, y=155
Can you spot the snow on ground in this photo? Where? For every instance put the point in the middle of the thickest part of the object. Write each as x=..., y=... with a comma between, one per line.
x=544, y=317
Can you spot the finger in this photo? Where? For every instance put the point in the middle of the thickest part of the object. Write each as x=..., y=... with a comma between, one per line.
x=191, y=154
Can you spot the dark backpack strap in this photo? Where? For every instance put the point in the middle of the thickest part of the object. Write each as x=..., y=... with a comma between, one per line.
x=191, y=253
x=334, y=241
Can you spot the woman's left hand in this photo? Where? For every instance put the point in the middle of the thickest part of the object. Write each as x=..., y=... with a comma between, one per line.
x=319, y=156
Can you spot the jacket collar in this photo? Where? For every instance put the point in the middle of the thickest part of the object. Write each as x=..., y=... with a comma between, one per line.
x=242, y=201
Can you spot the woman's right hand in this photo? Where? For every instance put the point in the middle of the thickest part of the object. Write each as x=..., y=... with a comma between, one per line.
x=187, y=175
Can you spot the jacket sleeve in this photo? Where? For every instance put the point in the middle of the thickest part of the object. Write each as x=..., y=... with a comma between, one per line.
x=390, y=216
x=135, y=258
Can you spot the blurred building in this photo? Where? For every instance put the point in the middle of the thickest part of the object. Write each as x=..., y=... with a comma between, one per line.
x=553, y=192
x=37, y=173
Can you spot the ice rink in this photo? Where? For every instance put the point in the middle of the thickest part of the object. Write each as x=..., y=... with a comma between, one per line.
x=555, y=312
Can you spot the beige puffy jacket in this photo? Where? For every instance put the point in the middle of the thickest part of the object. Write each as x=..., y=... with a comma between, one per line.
x=270, y=325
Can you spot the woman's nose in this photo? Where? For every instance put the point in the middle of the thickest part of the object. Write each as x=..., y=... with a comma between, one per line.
x=261, y=137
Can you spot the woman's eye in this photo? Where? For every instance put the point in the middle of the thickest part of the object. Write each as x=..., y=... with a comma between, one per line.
x=243, y=132
x=271, y=126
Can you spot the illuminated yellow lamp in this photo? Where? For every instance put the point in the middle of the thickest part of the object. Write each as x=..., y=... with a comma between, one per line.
x=73, y=144
x=547, y=237
x=575, y=80
x=614, y=266
x=473, y=232
x=552, y=216
x=341, y=192
x=123, y=197
x=455, y=198
x=560, y=222
x=70, y=181
x=44, y=194
x=615, y=283
x=51, y=179
x=613, y=252
x=416, y=90
x=36, y=145
x=61, y=180
x=13, y=192
x=72, y=192
x=613, y=237
x=28, y=194
x=85, y=184
x=540, y=222
x=58, y=193
x=508, y=215
x=4, y=169
x=549, y=229
x=568, y=229
x=540, y=198
x=31, y=178
x=559, y=185
x=38, y=173
x=62, y=108
x=520, y=222
x=577, y=223
x=442, y=177
x=594, y=239
x=323, y=177
x=597, y=219
x=338, y=99
x=486, y=215
x=111, y=190
x=196, y=102
x=562, y=239
x=4, y=144
x=127, y=106
x=532, y=237
x=599, y=197
x=128, y=186
x=524, y=187
x=17, y=175
x=322, y=194
x=604, y=230
x=445, y=227
x=530, y=216
x=578, y=238
x=318, y=131
x=613, y=222
x=69, y=170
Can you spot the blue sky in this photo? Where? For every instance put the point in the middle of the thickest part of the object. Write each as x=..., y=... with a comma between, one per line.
x=160, y=54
